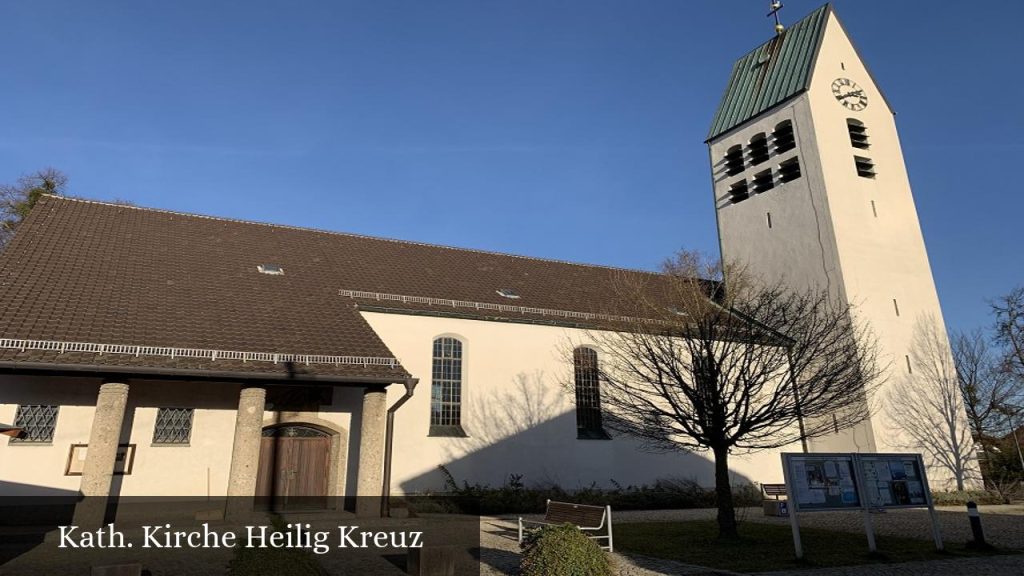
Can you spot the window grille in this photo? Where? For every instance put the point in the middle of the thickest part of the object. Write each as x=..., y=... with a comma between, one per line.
x=37, y=422
x=739, y=192
x=865, y=167
x=758, y=149
x=763, y=181
x=789, y=170
x=858, y=134
x=293, y=432
x=446, y=388
x=173, y=426
x=785, y=139
x=734, y=160
x=588, y=394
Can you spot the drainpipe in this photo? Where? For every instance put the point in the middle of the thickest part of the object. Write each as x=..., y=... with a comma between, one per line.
x=389, y=436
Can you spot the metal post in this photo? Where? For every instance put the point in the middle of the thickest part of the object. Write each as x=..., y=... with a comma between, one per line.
x=936, y=531
x=608, y=511
x=791, y=504
x=869, y=529
x=976, y=530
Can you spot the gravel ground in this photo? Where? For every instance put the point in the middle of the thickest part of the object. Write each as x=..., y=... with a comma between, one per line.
x=1004, y=527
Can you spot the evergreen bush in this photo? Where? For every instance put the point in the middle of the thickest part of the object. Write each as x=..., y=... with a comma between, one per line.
x=563, y=551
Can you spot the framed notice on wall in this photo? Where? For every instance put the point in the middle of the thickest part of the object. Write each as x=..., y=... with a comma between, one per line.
x=822, y=481
x=124, y=459
x=894, y=481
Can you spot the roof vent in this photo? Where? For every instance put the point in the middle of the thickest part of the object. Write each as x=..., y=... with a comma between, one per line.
x=507, y=293
x=272, y=269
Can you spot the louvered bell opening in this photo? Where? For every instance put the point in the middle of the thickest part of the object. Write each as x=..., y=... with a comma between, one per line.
x=865, y=167
x=789, y=170
x=858, y=135
x=734, y=161
x=763, y=181
x=758, y=149
x=785, y=140
x=739, y=192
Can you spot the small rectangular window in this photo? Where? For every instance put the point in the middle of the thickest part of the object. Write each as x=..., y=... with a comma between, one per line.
x=739, y=192
x=173, y=426
x=37, y=423
x=763, y=181
x=789, y=170
x=865, y=167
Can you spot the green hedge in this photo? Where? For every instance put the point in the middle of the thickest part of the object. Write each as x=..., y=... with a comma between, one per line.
x=562, y=551
x=961, y=497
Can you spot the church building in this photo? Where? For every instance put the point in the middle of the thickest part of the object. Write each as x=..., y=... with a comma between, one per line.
x=153, y=353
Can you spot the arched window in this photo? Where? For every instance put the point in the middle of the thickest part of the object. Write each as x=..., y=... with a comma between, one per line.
x=734, y=160
x=758, y=149
x=784, y=138
x=588, y=395
x=858, y=134
x=446, y=388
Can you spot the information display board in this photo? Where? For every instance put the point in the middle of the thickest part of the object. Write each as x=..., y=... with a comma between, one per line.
x=865, y=482
x=893, y=481
x=823, y=482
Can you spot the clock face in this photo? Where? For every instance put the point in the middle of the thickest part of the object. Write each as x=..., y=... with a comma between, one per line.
x=849, y=94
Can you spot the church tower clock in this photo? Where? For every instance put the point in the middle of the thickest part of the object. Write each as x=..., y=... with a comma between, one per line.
x=810, y=187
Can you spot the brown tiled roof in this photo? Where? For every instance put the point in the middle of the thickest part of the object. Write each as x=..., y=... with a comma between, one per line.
x=90, y=272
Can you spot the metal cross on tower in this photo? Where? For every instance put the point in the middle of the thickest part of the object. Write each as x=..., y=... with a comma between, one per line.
x=776, y=6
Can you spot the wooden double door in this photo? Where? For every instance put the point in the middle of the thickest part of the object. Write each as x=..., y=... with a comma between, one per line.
x=294, y=468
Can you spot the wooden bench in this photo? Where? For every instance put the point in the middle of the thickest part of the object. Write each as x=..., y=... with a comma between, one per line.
x=775, y=507
x=775, y=490
x=597, y=520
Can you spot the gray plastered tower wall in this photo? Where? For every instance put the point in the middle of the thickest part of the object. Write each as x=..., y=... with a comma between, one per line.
x=832, y=228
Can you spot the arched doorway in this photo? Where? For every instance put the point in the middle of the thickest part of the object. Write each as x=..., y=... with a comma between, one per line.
x=294, y=468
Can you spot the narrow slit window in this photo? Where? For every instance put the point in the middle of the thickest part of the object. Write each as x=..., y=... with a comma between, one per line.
x=734, y=160
x=896, y=306
x=858, y=134
x=789, y=170
x=758, y=149
x=910, y=369
x=769, y=217
x=865, y=167
x=763, y=181
x=739, y=192
x=874, y=210
x=785, y=140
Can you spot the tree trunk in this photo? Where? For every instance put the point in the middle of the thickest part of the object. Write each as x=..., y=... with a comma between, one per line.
x=723, y=495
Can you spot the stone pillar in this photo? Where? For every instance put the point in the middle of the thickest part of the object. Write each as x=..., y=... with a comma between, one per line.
x=245, y=453
x=369, y=487
x=100, y=455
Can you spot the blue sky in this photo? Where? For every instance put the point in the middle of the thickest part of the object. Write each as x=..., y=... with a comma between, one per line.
x=570, y=130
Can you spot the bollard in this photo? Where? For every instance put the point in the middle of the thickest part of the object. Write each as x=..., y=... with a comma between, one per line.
x=975, y=518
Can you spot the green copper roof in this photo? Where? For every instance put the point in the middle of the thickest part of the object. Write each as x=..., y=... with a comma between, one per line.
x=772, y=73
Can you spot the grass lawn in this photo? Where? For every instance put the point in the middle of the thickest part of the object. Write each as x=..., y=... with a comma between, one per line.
x=770, y=546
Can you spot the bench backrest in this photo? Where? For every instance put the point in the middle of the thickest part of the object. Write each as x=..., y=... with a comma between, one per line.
x=580, y=515
x=774, y=489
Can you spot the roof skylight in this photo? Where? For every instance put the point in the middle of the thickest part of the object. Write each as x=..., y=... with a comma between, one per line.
x=508, y=293
x=272, y=269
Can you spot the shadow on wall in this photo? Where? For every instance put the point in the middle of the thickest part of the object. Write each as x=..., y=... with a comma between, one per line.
x=529, y=429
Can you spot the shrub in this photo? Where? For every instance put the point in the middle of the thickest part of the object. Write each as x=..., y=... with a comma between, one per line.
x=563, y=551
x=961, y=497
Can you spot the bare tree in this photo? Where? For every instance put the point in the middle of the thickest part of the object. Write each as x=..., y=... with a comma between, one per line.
x=928, y=405
x=17, y=200
x=986, y=389
x=1009, y=329
x=733, y=369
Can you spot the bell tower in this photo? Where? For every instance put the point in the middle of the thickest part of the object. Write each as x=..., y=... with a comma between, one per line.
x=810, y=187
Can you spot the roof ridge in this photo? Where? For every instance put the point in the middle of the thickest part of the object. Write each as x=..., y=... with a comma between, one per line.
x=337, y=233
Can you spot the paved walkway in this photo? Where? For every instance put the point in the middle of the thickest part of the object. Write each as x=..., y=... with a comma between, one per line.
x=1004, y=527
